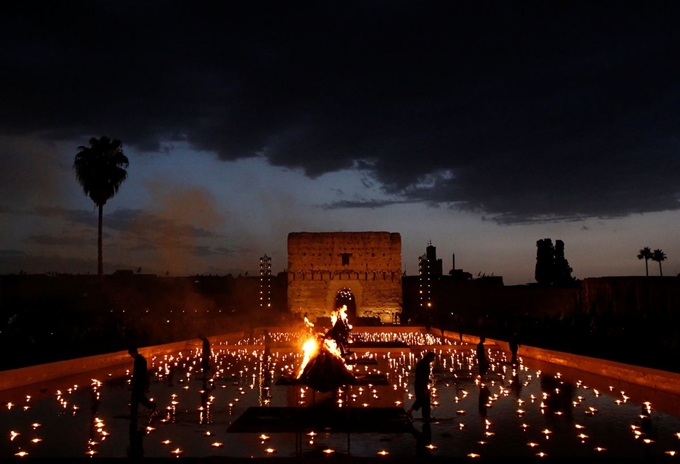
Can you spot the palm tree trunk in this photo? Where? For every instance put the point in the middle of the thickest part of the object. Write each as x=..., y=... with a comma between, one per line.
x=646, y=262
x=100, y=261
x=660, y=271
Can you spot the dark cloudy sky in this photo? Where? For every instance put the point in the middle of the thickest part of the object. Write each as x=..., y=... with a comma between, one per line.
x=481, y=126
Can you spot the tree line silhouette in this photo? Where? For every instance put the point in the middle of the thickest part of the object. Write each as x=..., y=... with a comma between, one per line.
x=552, y=267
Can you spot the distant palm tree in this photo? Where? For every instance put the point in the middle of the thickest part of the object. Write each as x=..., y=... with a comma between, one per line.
x=659, y=256
x=646, y=254
x=100, y=169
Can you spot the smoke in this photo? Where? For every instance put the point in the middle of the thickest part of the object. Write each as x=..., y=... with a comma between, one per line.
x=183, y=222
x=32, y=172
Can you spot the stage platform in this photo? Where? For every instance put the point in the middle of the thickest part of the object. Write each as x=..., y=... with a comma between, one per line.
x=361, y=379
x=321, y=419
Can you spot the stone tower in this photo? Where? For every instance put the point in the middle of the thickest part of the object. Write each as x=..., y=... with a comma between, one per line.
x=365, y=267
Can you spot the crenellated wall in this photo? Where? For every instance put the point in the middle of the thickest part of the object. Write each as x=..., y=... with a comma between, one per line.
x=368, y=264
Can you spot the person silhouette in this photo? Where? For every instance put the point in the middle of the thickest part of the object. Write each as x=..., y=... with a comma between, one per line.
x=514, y=347
x=206, y=354
x=267, y=340
x=482, y=360
x=139, y=383
x=421, y=386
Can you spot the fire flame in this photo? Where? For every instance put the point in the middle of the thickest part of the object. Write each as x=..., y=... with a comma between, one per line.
x=341, y=312
x=309, y=348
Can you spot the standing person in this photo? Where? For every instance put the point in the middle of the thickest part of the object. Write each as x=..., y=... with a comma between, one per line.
x=139, y=383
x=267, y=341
x=206, y=354
x=482, y=360
x=514, y=346
x=421, y=386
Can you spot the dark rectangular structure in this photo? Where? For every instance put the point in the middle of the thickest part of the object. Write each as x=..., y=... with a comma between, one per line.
x=323, y=419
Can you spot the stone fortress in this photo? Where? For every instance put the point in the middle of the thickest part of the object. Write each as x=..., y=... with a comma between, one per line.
x=360, y=269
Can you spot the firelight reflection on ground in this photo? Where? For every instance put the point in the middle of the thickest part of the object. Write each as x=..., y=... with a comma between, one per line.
x=533, y=410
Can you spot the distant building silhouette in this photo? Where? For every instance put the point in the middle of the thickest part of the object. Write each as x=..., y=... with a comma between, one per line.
x=265, y=282
x=428, y=268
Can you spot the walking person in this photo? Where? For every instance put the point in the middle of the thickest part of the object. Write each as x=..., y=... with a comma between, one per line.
x=139, y=383
x=421, y=386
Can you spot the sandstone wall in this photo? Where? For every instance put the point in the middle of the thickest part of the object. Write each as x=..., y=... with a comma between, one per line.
x=322, y=263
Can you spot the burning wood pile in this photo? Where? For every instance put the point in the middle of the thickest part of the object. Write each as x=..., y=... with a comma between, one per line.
x=323, y=367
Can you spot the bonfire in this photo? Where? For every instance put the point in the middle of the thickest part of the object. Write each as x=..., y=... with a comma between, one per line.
x=323, y=367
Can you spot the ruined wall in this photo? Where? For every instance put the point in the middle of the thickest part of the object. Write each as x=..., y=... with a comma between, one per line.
x=321, y=263
x=651, y=296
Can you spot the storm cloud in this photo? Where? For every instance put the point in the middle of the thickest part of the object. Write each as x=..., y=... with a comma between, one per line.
x=522, y=112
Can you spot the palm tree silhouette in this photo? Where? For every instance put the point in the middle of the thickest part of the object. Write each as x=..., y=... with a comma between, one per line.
x=100, y=169
x=646, y=254
x=659, y=256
